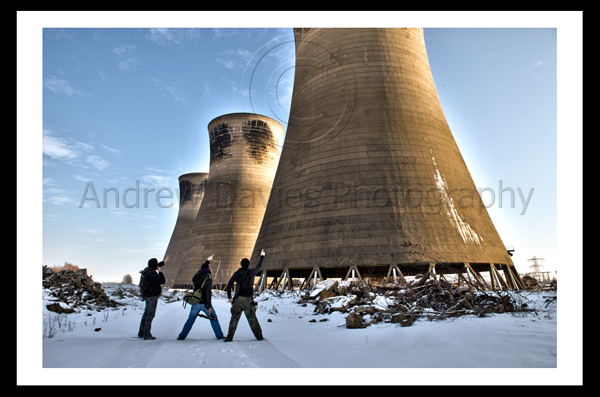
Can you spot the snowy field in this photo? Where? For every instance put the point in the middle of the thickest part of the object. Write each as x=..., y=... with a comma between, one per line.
x=504, y=348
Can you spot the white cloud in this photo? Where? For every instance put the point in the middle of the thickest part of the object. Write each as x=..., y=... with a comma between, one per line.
x=241, y=33
x=206, y=89
x=58, y=148
x=123, y=49
x=165, y=36
x=57, y=196
x=157, y=180
x=133, y=215
x=51, y=217
x=128, y=65
x=70, y=151
x=228, y=63
x=64, y=149
x=59, y=86
x=111, y=150
x=234, y=58
x=224, y=32
x=97, y=162
x=171, y=89
x=81, y=178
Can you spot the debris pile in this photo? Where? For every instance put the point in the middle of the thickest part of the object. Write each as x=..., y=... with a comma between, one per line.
x=125, y=293
x=532, y=284
x=73, y=289
x=434, y=299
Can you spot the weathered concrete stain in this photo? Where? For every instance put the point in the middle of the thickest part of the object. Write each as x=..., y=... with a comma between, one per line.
x=191, y=192
x=220, y=143
x=259, y=139
x=186, y=193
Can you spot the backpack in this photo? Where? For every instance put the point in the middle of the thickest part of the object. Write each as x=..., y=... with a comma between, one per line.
x=144, y=285
x=245, y=282
x=194, y=297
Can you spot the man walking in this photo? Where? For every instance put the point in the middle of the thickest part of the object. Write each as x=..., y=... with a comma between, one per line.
x=150, y=281
x=243, y=300
x=202, y=280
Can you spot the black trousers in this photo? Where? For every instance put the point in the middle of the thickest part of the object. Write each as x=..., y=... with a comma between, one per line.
x=148, y=316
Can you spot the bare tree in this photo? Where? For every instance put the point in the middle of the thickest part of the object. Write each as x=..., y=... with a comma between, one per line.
x=67, y=265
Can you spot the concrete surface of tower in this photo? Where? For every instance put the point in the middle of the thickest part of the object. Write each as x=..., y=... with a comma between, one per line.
x=244, y=153
x=191, y=193
x=370, y=175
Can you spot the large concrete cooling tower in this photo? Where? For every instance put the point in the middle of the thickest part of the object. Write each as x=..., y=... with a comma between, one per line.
x=191, y=193
x=244, y=153
x=370, y=177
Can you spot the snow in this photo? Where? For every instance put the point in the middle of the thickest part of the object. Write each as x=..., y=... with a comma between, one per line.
x=295, y=350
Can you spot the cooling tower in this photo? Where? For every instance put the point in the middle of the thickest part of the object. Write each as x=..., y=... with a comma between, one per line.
x=370, y=175
x=191, y=193
x=244, y=153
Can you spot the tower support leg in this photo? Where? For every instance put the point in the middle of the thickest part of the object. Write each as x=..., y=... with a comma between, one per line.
x=398, y=276
x=479, y=282
x=262, y=282
x=353, y=272
x=314, y=275
x=285, y=280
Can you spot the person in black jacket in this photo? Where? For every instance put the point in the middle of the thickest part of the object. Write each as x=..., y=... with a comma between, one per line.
x=154, y=278
x=202, y=279
x=243, y=299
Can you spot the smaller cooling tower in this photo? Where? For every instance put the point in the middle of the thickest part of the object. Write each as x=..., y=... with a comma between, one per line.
x=244, y=154
x=191, y=193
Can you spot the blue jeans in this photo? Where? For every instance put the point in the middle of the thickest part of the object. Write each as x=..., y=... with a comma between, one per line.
x=195, y=309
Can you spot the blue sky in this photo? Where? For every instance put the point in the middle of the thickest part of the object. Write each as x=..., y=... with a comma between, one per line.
x=127, y=106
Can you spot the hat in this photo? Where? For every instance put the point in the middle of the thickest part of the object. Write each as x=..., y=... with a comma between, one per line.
x=205, y=268
x=153, y=263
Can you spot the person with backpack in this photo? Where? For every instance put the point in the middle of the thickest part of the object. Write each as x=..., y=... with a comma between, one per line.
x=243, y=300
x=202, y=282
x=150, y=281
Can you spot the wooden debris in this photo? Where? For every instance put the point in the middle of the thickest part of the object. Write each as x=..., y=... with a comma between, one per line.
x=57, y=308
x=72, y=290
x=425, y=297
x=354, y=320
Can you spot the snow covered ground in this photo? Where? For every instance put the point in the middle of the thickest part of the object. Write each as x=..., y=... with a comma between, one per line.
x=497, y=349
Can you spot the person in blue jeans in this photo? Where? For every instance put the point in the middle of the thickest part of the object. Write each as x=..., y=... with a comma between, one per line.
x=202, y=279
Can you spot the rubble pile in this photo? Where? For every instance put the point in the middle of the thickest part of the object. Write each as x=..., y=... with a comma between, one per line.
x=125, y=293
x=434, y=299
x=533, y=284
x=74, y=289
